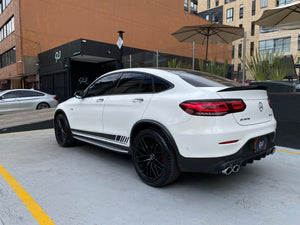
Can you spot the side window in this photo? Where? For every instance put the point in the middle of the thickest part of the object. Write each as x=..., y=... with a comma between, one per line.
x=161, y=85
x=103, y=86
x=12, y=94
x=131, y=83
x=30, y=94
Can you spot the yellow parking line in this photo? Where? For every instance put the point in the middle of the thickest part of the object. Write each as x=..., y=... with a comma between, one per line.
x=25, y=132
x=297, y=153
x=32, y=206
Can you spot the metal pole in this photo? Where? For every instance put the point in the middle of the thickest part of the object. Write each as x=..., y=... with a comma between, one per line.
x=120, y=64
x=244, y=55
x=193, y=63
x=157, y=58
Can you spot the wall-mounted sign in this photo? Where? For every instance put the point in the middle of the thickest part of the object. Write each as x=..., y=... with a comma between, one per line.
x=57, y=56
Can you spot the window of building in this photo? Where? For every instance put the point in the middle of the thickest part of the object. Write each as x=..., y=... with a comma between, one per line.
x=282, y=44
x=253, y=7
x=228, y=1
x=240, y=51
x=263, y=3
x=229, y=15
x=241, y=11
x=186, y=7
x=275, y=45
x=8, y=57
x=4, y=4
x=214, y=18
x=264, y=30
x=251, y=48
x=298, y=42
x=239, y=67
x=240, y=25
x=217, y=2
x=194, y=6
x=207, y=17
x=283, y=2
x=208, y=4
x=7, y=29
x=232, y=56
x=252, y=28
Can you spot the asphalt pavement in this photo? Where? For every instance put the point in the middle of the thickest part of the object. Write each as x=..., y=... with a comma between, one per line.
x=41, y=182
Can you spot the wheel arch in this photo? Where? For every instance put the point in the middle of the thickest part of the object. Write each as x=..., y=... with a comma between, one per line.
x=42, y=103
x=59, y=111
x=151, y=124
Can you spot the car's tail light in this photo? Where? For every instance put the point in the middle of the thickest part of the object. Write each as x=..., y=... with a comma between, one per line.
x=270, y=103
x=55, y=98
x=213, y=107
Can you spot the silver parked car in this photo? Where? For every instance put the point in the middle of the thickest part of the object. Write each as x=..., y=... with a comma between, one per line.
x=25, y=99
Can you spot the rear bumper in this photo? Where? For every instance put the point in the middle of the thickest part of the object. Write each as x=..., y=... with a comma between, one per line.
x=216, y=165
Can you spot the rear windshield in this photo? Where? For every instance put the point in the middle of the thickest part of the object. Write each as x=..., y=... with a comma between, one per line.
x=201, y=79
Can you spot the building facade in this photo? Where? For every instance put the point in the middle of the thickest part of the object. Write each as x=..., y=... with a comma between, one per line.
x=30, y=27
x=243, y=13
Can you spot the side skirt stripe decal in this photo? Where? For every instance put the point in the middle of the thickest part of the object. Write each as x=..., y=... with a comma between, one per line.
x=116, y=138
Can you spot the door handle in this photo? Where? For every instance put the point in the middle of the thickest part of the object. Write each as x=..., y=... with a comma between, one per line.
x=137, y=100
x=100, y=100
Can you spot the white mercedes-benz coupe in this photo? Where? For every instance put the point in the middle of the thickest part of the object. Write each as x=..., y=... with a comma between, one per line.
x=171, y=121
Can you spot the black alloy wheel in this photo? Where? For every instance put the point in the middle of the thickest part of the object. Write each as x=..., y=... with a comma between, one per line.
x=62, y=131
x=153, y=159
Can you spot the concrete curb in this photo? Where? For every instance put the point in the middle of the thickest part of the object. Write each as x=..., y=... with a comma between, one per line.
x=26, y=127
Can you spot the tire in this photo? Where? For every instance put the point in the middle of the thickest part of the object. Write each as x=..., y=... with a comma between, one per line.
x=43, y=105
x=153, y=159
x=62, y=131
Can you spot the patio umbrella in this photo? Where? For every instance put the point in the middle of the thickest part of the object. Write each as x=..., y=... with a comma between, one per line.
x=284, y=17
x=209, y=34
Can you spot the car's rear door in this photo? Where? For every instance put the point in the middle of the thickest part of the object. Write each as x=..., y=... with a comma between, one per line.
x=29, y=99
x=126, y=105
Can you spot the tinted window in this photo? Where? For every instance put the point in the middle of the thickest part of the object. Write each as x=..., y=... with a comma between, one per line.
x=199, y=79
x=12, y=94
x=30, y=94
x=134, y=83
x=161, y=85
x=103, y=86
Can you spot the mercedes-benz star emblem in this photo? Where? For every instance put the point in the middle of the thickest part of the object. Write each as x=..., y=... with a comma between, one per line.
x=260, y=106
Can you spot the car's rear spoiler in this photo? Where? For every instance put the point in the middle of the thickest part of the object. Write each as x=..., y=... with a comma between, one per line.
x=244, y=88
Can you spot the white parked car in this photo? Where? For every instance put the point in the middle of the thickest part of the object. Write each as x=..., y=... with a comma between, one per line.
x=171, y=121
x=25, y=99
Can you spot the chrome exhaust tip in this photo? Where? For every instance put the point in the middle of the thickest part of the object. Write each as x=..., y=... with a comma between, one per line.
x=227, y=171
x=236, y=168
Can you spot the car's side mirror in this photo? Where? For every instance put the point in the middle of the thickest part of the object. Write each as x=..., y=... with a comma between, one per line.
x=79, y=94
x=1, y=97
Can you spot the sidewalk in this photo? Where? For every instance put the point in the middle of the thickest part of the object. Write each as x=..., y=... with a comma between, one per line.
x=26, y=120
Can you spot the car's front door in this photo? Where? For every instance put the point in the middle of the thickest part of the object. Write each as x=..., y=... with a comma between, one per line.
x=9, y=101
x=126, y=105
x=86, y=113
